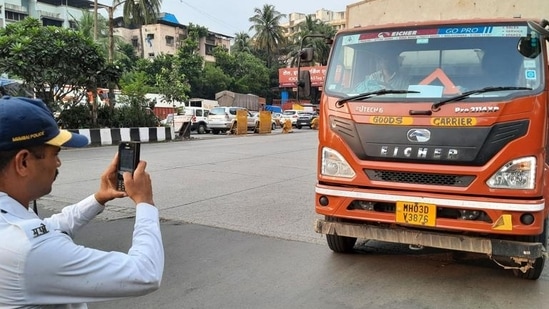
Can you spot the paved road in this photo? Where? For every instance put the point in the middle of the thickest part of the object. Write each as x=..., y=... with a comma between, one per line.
x=238, y=215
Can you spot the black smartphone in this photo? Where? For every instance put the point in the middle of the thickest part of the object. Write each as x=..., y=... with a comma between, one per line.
x=128, y=158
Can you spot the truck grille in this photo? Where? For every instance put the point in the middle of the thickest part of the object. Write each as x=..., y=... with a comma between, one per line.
x=420, y=178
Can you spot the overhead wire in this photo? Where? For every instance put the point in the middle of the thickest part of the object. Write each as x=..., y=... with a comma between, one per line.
x=213, y=18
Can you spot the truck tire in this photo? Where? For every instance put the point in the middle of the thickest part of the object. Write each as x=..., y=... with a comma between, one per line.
x=534, y=273
x=215, y=131
x=339, y=244
x=298, y=126
x=273, y=126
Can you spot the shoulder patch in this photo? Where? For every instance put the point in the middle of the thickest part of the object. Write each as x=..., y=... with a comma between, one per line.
x=40, y=230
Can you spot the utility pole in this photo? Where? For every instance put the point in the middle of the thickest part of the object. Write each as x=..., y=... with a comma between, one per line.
x=95, y=20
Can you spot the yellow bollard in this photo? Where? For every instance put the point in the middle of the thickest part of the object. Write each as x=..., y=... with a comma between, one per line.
x=287, y=127
x=314, y=123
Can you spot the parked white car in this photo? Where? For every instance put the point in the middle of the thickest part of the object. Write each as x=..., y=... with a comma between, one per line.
x=221, y=119
x=291, y=114
x=274, y=122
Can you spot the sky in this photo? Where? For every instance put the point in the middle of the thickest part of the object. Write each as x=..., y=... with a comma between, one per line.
x=230, y=17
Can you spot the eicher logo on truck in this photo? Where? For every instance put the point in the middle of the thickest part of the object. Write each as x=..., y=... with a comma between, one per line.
x=419, y=135
x=410, y=152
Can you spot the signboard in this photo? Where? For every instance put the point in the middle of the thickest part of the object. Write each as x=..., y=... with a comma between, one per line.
x=287, y=77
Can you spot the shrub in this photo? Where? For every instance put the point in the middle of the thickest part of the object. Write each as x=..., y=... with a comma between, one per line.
x=123, y=116
x=76, y=117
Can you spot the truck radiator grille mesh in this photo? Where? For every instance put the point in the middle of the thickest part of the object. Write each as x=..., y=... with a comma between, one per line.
x=420, y=178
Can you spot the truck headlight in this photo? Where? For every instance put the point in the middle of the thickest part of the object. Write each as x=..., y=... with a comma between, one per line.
x=334, y=165
x=515, y=174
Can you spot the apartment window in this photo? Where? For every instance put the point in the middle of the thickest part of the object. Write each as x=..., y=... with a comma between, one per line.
x=51, y=22
x=209, y=49
x=13, y=16
x=149, y=39
x=135, y=42
x=170, y=40
x=151, y=55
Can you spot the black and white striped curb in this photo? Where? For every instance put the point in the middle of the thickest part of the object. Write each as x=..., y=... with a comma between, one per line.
x=113, y=136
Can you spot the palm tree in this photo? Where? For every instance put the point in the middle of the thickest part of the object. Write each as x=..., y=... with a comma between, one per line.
x=308, y=26
x=317, y=27
x=86, y=26
x=139, y=13
x=241, y=42
x=269, y=34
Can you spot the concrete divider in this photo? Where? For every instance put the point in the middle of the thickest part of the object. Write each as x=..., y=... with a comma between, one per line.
x=113, y=136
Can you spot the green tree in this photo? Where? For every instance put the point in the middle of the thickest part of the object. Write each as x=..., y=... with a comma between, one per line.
x=192, y=63
x=242, y=43
x=135, y=84
x=128, y=61
x=213, y=81
x=134, y=109
x=86, y=26
x=171, y=84
x=269, y=34
x=312, y=26
x=139, y=13
x=52, y=60
x=248, y=73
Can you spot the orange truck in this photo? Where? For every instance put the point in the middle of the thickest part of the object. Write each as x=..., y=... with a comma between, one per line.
x=435, y=134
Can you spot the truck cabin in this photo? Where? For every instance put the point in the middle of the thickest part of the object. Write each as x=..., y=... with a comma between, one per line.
x=436, y=62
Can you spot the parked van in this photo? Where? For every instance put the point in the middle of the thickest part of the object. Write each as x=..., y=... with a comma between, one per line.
x=199, y=119
x=196, y=116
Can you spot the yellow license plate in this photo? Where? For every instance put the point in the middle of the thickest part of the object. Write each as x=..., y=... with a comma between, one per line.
x=416, y=213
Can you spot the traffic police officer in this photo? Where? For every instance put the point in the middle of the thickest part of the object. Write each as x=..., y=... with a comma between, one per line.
x=40, y=265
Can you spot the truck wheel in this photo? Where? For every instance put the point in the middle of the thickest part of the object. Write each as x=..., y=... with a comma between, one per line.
x=339, y=244
x=299, y=127
x=201, y=129
x=215, y=131
x=273, y=126
x=534, y=273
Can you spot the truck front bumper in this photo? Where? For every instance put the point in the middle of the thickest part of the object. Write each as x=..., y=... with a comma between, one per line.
x=491, y=247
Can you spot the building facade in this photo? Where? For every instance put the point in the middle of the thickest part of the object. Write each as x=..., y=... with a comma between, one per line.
x=163, y=37
x=335, y=19
x=60, y=13
x=166, y=36
x=372, y=12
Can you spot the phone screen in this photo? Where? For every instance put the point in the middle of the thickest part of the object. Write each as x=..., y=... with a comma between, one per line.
x=128, y=157
x=126, y=160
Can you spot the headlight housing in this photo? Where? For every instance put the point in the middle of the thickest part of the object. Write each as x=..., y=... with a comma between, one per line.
x=334, y=165
x=515, y=174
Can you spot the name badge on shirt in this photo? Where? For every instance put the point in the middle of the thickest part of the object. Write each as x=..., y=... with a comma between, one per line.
x=39, y=231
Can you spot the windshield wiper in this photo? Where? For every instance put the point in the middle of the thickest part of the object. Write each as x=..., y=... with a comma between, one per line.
x=436, y=106
x=366, y=95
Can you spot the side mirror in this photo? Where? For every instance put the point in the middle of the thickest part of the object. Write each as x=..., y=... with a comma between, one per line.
x=304, y=84
x=306, y=54
x=529, y=46
x=541, y=28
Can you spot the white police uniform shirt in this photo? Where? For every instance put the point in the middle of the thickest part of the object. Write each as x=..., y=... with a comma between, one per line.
x=41, y=267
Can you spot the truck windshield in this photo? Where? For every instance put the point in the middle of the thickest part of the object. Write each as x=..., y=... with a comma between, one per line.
x=434, y=63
